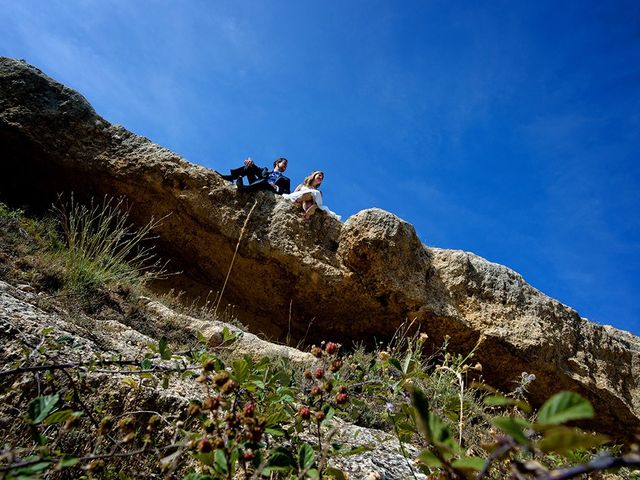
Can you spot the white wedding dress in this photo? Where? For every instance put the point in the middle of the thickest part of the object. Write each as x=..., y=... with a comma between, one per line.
x=317, y=197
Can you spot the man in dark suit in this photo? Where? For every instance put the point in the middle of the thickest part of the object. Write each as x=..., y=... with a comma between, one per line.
x=261, y=178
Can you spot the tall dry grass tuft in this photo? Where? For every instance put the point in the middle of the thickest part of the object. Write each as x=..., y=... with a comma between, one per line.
x=100, y=246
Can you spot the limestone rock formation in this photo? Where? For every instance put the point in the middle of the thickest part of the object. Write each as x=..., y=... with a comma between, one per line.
x=326, y=280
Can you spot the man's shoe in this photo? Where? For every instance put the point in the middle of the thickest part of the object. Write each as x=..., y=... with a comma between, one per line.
x=240, y=183
x=229, y=178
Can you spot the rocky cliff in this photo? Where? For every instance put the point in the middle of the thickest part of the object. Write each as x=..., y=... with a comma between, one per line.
x=352, y=282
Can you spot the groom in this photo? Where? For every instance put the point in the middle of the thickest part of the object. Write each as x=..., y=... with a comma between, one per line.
x=261, y=178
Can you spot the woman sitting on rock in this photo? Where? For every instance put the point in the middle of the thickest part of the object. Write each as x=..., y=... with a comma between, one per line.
x=309, y=196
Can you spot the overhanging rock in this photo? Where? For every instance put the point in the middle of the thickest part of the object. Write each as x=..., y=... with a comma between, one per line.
x=355, y=281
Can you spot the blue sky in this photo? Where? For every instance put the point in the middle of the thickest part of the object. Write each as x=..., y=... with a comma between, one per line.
x=508, y=129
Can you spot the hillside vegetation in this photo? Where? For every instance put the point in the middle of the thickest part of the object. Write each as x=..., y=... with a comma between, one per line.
x=76, y=402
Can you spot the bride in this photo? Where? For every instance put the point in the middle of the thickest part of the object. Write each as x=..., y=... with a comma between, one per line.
x=309, y=196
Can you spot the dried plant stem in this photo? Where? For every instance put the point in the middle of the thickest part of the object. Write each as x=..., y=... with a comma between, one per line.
x=246, y=221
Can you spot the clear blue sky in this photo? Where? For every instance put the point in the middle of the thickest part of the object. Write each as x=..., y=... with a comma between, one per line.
x=510, y=129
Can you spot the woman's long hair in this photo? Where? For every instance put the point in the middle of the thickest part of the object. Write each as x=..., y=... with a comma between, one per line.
x=307, y=182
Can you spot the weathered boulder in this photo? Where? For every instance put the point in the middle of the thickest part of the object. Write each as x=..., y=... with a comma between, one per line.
x=324, y=280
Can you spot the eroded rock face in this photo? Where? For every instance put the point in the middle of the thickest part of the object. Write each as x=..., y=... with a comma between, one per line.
x=355, y=281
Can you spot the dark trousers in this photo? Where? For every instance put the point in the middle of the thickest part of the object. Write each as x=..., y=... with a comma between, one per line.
x=252, y=172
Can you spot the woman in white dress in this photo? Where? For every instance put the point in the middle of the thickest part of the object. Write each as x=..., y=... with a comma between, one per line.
x=309, y=196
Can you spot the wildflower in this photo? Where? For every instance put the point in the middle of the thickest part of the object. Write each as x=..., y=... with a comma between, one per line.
x=255, y=433
x=106, y=424
x=320, y=416
x=341, y=398
x=153, y=423
x=304, y=413
x=94, y=466
x=384, y=355
x=308, y=375
x=335, y=365
x=249, y=409
x=194, y=409
x=229, y=387
x=204, y=445
x=212, y=403
x=232, y=420
x=209, y=366
x=218, y=443
x=221, y=378
x=316, y=352
x=209, y=426
x=126, y=424
x=423, y=337
x=331, y=348
x=319, y=372
x=315, y=391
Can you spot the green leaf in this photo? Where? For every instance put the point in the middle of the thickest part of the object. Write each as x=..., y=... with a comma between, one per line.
x=429, y=459
x=36, y=468
x=275, y=431
x=280, y=460
x=228, y=335
x=58, y=417
x=422, y=412
x=205, y=458
x=313, y=474
x=563, y=439
x=41, y=407
x=306, y=456
x=46, y=331
x=201, y=338
x=407, y=363
x=513, y=426
x=240, y=370
x=329, y=412
x=564, y=407
x=198, y=476
x=221, y=462
x=396, y=363
x=334, y=473
x=233, y=462
x=165, y=352
x=498, y=400
x=146, y=364
x=68, y=462
x=130, y=382
x=469, y=463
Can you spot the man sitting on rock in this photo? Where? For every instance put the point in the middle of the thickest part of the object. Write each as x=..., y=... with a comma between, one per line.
x=261, y=178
